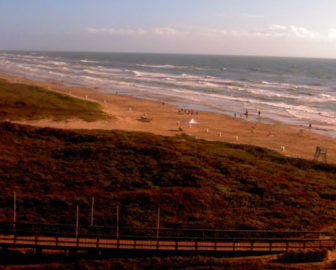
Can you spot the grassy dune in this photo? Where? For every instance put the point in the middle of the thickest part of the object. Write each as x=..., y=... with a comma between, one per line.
x=196, y=183
x=21, y=102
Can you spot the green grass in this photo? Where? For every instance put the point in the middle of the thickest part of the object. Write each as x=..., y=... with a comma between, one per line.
x=196, y=183
x=26, y=102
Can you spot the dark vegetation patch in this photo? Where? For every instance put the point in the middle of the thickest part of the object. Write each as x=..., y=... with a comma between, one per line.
x=303, y=256
x=26, y=102
x=90, y=262
x=195, y=183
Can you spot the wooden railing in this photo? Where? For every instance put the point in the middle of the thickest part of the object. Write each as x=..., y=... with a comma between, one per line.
x=145, y=243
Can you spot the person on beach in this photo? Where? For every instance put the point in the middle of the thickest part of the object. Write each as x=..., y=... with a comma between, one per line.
x=246, y=114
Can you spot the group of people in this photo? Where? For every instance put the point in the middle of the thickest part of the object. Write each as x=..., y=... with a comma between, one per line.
x=246, y=114
x=187, y=111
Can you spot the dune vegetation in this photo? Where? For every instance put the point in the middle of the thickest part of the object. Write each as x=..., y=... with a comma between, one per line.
x=21, y=102
x=195, y=183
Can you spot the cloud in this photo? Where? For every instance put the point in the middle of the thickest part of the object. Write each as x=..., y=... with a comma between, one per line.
x=165, y=31
x=118, y=32
x=158, y=31
x=291, y=31
x=272, y=31
x=332, y=34
x=278, y=31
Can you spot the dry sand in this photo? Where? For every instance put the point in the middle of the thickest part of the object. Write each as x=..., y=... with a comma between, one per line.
x=293, y=141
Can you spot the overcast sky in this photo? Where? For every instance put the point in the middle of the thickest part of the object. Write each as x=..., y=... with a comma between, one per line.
x=302, y=28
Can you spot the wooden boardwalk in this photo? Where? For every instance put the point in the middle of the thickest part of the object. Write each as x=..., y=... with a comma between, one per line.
x=165, y=244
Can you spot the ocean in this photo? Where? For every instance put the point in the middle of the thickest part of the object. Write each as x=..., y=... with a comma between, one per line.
x=286, y=90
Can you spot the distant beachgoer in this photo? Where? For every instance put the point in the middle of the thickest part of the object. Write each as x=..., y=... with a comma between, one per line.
x=259, y=114
x=246, y=114
x=310, y=126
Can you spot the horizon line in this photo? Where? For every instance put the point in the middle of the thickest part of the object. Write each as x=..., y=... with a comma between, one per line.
x=169, y=53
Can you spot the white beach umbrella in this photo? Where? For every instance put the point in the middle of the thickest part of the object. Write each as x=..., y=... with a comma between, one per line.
x=193, y=122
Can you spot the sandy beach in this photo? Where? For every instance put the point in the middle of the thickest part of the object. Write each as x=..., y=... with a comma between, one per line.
x=167, y=120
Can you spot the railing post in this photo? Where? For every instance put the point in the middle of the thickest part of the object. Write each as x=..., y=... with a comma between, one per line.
x=158, y=229
x=233, y=245
x=14, y=213
x=215, y=245
x=97, y=242
x=92, y=211
x=252, y=245
x=196, y=245
x=118, y=233
x=320, y=244
x=56, y=240
x=270, y=246
x=118, y=223
x=176, y=244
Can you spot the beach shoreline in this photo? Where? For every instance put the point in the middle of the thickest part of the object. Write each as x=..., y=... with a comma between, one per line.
x=169, y=120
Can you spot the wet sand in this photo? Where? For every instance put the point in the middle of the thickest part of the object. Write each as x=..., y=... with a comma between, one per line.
x=293, y=141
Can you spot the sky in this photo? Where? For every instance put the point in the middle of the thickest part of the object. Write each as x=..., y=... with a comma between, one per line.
x=294, y=28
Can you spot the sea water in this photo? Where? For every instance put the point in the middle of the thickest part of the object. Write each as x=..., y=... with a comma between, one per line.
x=289, y=90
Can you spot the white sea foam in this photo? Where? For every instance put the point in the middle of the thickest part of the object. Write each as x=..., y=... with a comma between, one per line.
x=161, y=66
x=58, y=63
x=88, y=61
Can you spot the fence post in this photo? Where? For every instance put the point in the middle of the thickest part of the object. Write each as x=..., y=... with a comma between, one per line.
x=158, y=228
x=117, y=226
x=77, y=216
x=92, y=210
x=117, y=221
x=14, y=213
x=158, y=224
